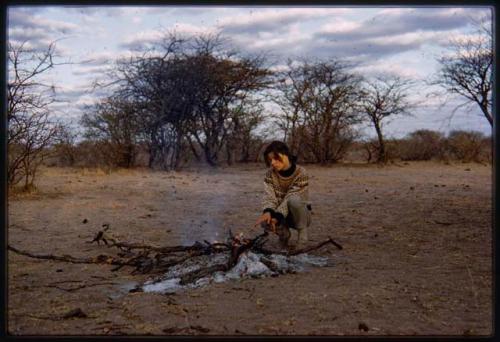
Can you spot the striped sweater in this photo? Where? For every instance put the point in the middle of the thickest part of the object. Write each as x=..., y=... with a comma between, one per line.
x=279, y=186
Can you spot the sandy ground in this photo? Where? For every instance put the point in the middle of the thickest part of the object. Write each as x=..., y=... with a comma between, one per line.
x=417, y=257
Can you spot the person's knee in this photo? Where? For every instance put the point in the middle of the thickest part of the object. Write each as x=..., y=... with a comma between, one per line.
x=295, y=202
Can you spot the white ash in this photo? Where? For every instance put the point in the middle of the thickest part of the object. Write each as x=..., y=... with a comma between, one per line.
x=249, y=265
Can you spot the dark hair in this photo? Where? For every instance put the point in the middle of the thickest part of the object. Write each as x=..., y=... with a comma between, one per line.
x=278, y=147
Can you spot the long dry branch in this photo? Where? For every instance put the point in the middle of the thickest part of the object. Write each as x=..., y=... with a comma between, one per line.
x=111, y=242
x=312, y=248
x=266, y=251
x=100, y=259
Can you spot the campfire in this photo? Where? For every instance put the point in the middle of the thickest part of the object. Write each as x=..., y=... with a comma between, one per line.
x=203, y=270
x=237, y=258
x=175, y=268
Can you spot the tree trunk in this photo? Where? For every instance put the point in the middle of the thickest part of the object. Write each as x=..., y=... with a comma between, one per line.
x=484, y=108
x=210, y=158
x=382, y=158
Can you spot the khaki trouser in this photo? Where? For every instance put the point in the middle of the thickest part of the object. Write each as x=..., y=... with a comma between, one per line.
x=299, y=217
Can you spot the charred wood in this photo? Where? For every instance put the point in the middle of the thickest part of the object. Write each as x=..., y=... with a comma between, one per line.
x=191, y=277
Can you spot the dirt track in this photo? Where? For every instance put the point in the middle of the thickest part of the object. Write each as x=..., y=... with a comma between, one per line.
x=416, y=258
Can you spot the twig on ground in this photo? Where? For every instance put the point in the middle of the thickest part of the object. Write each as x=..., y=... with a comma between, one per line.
x=79, y=287
x=443, y=223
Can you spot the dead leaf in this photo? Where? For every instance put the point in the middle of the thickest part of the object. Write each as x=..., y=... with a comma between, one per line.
x=260, y=302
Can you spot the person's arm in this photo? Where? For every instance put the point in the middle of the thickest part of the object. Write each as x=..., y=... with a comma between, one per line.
x=269, y=203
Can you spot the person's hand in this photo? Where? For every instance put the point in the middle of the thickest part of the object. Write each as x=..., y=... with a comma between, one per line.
x=266, y=217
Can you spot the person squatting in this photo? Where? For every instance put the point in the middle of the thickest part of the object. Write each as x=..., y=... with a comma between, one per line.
x=286, y=201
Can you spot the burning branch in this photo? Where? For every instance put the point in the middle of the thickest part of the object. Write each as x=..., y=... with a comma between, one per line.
x=241, y=245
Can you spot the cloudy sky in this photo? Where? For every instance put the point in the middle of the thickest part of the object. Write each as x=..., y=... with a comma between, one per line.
x=401, y=41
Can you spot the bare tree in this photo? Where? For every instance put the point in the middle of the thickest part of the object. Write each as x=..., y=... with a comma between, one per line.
x=226, y=82
x=384, y=98
x=242, y=140
x=31, y=130
x=468, y=146
x=422, y=144
x=319, y=100
x=467, y=71
x=155, y=83
x=114, y=121
x=188, y=93
x=65, y=146
x=291, y=86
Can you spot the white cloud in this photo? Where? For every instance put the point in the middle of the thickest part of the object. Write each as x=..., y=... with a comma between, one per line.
x=142, y=38
x=340, y=25
x=279, y=68
x=274, y=19
x=411, y=38
x=385, y=68
x=109, y=11
x=189, y=29
x=19, y=19
x=145, y=38
x=98, y=58
x=39, y=31
x=90, y=71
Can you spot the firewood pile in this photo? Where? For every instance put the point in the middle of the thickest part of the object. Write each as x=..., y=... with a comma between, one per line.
x=191, y=265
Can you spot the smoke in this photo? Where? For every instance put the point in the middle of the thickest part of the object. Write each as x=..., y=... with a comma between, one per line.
x=205, y=220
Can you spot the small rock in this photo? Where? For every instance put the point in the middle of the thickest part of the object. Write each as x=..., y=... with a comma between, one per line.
x=59, y=270
x=468, y=332
x=436, y=185
x=75, y=313
x=412, y=188
x=85, y=221
x=375, y=197
x=376, y=235
x=366, y=190
x=363, y=326
x=467, y=169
